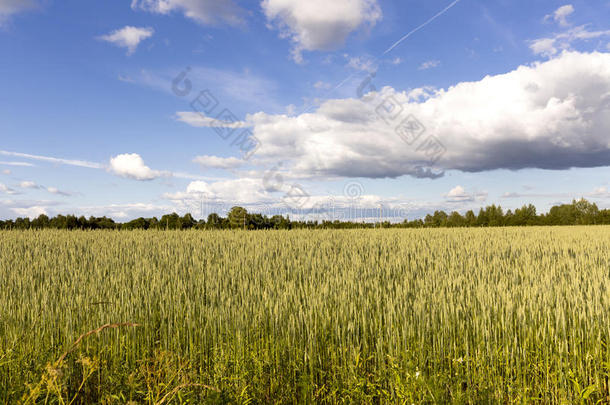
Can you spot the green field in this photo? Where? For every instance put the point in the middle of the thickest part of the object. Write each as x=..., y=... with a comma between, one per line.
x=519, y=315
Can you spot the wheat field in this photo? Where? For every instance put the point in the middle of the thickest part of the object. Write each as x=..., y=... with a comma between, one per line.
x=519, y=315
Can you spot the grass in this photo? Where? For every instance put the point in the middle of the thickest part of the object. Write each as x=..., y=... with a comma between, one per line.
x=499, y=315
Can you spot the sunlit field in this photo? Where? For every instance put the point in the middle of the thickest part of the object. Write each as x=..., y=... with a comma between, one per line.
x=365, y=316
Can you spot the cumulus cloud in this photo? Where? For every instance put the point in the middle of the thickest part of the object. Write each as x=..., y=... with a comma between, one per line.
x=549, y=115
x=459, y=194
x=128, y=37
x=132, y=166
x=216, y=162
x=11, y=7
x=202, y=11
x=319, y=25
x=200, y=120
x=561, y=14
x=429, y=64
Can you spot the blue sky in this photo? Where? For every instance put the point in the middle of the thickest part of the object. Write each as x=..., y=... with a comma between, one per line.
x=504, y=102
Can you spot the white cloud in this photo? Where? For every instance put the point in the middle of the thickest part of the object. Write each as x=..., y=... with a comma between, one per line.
x=561, y=14
x=54, y=190
x=544, y=46
x=28, y=184
x=551, y=46
x=396, y=61
x=429, y=64
x=196, y=119
x=132, y=166
x=529, y=196
x=202, y=11
x=94, y=165
x=252, y=194
x=128, y=37
x=550, y=115
x=600, y=192
x=7, y=190
x=126, y=79
x=120, y=212
x=459, y=194
x=30, y=212
x=216, y=162
x=365, y=64
x=11, y=7
x=320, y=85
x=234, y=191
x=12, y=208
x=21, y=164
x=319, y=25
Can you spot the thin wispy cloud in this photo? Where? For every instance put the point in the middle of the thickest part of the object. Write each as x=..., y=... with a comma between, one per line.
x=207, y=12
x=196, y=119
x=429, y=65
x=29, y=184
x=7, y=190
x=55, y=190
x=9, y=8
x=215, y=162
x=552, y=45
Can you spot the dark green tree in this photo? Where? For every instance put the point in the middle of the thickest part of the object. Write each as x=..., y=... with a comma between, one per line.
x=238, y=218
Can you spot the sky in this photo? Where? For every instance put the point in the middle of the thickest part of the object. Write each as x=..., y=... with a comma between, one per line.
x=343, y=109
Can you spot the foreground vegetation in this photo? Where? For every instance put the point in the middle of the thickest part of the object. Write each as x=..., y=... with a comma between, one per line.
x=491, y=315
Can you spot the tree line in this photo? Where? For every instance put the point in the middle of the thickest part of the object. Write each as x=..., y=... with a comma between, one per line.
x=579, y=212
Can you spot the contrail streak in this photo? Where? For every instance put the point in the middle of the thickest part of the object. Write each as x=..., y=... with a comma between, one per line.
x=440, y=13
x=70, y=162
x=394, y=45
